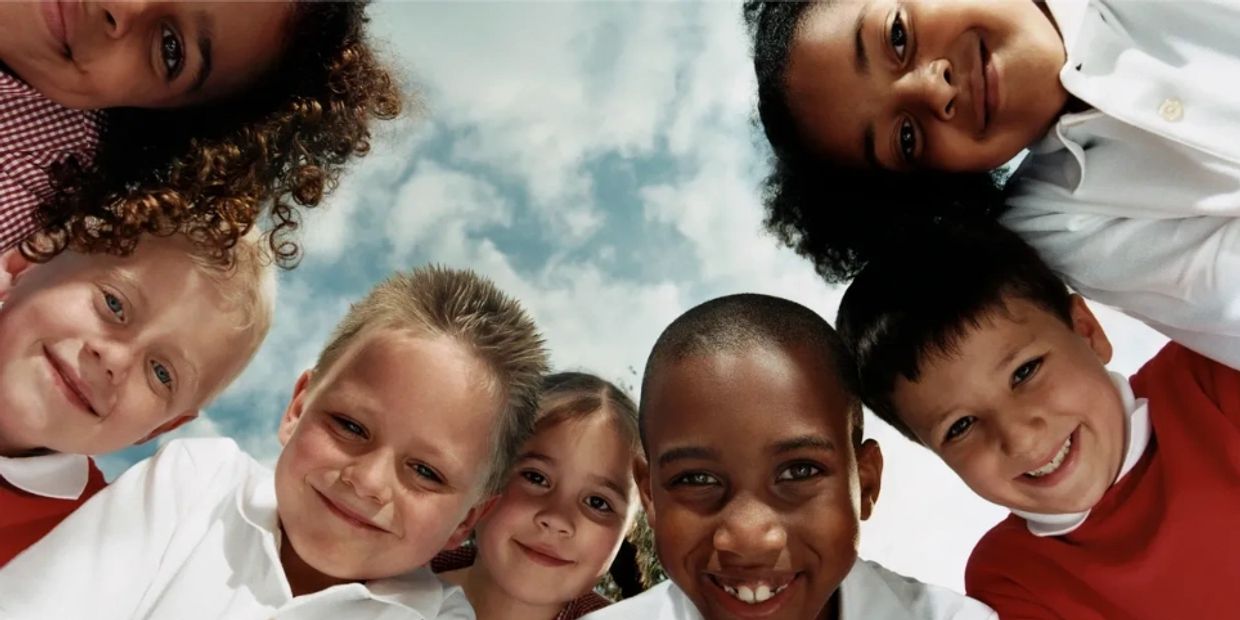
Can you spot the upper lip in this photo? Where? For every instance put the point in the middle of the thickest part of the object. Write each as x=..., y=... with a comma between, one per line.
x=351, y=513
x=543, y=549
x=72, y=380
x=773, y=579
x=1047, y=457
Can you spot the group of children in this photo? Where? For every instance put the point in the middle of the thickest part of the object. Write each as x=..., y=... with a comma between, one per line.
x=433, y=467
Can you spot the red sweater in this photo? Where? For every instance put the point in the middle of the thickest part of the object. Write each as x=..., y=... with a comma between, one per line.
x=1164, y=541
x=25, y=518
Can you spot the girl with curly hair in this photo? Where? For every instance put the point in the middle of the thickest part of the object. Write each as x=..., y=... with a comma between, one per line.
x=886, y=117
x=557, y=526
x=118, y=119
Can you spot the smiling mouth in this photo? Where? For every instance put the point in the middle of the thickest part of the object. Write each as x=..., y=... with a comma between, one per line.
x=69, y=386
x=542, y=556
x=348, y=516
x=753, y=591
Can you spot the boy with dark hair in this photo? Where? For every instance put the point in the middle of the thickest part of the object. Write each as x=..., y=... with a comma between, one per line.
x=757, y=476
x=968, y=344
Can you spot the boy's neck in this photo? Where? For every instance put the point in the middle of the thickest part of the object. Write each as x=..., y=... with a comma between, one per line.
x=491, y=602
x=302, y=578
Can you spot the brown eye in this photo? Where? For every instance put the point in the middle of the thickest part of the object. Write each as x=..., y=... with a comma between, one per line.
x=898, y=36
x=1025, y=371
x=908, y=140
x=171, y=51
x=959, y=427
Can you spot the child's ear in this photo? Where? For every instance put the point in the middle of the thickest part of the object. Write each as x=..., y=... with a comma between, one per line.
x=466, y=527
x=292, y=413
x=641, y=474
x=12, y=266
x=869, y=475
x=1087, y=326
x=168, y=426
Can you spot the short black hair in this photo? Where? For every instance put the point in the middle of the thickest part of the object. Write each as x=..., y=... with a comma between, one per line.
x=835, y=215
x=745, y=321
x=919, y=301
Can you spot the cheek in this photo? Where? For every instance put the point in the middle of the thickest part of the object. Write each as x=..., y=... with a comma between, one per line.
x=513, y=514
x=598, y=544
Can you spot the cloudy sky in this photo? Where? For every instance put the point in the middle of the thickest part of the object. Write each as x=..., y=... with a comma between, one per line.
x=598, y=161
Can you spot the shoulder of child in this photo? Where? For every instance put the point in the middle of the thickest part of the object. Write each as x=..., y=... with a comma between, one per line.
x=197, y=466
x=992, y=577
x=879, y=587
x=657, y=603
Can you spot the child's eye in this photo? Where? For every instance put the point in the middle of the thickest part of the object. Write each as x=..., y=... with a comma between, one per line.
x=171, y=52
x=695, y=479
x=908, y=140
x=114, y=305
x=161, y=373
x=1026, y=371
x=535, y=478
x=427, y=473
x=599, y=504
x=898, y=36
x=349, y=426
x=959, y=427
x=800, y=471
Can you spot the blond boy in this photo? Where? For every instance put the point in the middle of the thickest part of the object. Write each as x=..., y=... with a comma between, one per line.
x=100, y=352
x=394, y=444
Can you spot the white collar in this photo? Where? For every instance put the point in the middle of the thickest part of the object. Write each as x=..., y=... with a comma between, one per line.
x=1068, y=15
x=418, y=590
x=58, y=476
x=1137, y=438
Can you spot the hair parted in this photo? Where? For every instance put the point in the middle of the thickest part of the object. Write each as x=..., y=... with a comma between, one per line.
x=470, y=309
x=746, y=321
x=211, y=171
x=834, y=215
x=570, y=396
x=913, y=304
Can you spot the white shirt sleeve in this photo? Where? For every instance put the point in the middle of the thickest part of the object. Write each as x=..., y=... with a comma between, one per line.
x=100, y=561
x=1180, y=276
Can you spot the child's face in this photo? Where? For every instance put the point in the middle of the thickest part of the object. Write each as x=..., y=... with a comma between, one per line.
x=938, y=84
x=561, y=519
x=1024, y=410
x=140, y=54
x=97, y=352
x=385, y=455
x=754, y=489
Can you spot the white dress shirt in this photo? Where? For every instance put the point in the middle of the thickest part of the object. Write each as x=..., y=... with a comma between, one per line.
x=869, y=592
x=58, y=476
x=193, y=533
x=1136, y=201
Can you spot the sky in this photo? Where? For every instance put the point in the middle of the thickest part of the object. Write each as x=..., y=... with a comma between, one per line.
x=599, y=161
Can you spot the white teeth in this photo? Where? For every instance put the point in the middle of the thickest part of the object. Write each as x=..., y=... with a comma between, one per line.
x=1050, y=467
x=753, y=595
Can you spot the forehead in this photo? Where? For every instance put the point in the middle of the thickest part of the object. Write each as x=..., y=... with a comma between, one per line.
x=589, y=445
x=246, y=40
x=745, y=400
x=827, y=96
x=417, y=388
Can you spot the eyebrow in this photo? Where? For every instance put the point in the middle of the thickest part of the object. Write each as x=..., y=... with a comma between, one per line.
x=132, y=286
x=611, y=484
x=804, y=442
x=685, y=453
x=205, y=31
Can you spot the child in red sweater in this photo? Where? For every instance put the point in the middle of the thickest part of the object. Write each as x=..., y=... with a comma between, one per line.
x=1124, y=494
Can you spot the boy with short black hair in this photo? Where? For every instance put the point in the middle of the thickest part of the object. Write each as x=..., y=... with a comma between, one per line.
x=968, y=344
x=394, y=444
x=758, y=476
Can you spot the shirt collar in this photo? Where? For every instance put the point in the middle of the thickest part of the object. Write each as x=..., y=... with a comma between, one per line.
x=1137, y=438
x=1068, y=15
x=58, y=476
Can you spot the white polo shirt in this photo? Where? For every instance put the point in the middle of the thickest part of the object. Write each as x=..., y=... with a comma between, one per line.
x=58, y=476
x=193, y=533
x=869, y=592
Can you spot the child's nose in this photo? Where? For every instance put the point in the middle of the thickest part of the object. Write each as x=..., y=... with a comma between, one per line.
x=1021, y=432
x=109, y=360
x=553, y=519
x=119, y=17
x=750, y=528
x=933, y=87
x=367, y=476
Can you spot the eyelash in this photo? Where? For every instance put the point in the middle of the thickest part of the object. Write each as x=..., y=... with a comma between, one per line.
x=815, y=471
x=118, y=310
x=898, y=31
x=695, y=479
x=530, y=476
x=170, y=45
x=1028, y=369
x=350, y=427
x=426, y=472
x=906, y=140
x=606, y=505
x=959, y=427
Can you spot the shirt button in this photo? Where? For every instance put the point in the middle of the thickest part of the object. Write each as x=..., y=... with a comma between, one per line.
x=1171, y=110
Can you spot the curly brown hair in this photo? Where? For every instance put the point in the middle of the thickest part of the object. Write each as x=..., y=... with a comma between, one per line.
x=209, y=171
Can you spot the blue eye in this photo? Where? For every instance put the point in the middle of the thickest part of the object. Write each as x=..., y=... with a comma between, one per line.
x=349, y=426
x=800, y=471
x=427, y=473
x=898, y=36
x=161, y=373
x=171, y=52
x=959, y=427
x=599, y=504
x=114, y=304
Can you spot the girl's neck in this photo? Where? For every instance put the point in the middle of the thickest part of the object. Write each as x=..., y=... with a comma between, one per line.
x=491, y=602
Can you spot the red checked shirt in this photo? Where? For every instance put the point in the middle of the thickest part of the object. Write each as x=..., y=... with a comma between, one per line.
x=35, y=133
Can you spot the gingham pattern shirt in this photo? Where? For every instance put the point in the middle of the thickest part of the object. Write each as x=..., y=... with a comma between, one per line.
x=463, y=557
x=35, y=133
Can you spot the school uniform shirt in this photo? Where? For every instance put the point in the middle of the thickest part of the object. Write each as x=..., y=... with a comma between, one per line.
x=35, y=134
x=1135, y=201
x=869, y=592
x=464, y=557
x=1163, y=541
x=193, y=533
x=37, y=493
